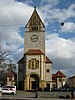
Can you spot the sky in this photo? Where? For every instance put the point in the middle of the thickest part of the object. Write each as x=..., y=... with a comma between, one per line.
x=60, y=40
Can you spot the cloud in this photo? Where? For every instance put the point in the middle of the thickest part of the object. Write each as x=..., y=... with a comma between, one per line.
x=63, y=14
x=14, y=12
x=28, y=2
x=49, y=3
x=19, y=54
x=62, y=52
x=53, y=13
x=13, y=16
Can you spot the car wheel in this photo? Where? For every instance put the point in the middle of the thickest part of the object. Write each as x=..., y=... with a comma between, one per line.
x=12, y=93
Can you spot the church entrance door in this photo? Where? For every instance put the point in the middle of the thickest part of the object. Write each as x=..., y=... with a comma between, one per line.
x=34, y=85
x=34, y=82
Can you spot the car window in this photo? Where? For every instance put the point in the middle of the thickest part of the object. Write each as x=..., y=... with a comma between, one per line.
x=8, y=86
x=4, y=86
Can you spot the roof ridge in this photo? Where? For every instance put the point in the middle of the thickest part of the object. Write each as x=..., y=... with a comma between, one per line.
x=34, y=52
x=59, y=73
x=35, y=11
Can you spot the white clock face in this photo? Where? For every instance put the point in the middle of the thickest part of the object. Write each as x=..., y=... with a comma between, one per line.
x=34, y=38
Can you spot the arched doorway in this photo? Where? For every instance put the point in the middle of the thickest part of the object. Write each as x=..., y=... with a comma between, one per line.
x=33, y=82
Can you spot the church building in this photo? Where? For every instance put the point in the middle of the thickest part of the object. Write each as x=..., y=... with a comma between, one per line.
x=34, y=68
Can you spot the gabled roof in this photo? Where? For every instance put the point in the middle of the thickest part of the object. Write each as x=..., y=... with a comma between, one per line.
x=48, y=60
x=71, y=77
x=10, y=74
x=34, y=52
x=33, y=18
x=21, y=60
x=60, y=74
x=31, y=52
x=53, y=75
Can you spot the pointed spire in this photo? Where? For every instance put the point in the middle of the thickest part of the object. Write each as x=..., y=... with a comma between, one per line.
x=35, y=23
x=34, y=7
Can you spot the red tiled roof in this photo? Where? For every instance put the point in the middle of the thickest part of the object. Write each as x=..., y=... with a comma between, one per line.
x=48, y=60
x=10, y=74
x=60, y=74
x=34, y=52
x=53, y=75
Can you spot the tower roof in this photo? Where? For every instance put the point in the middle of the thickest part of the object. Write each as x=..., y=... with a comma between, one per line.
x=35, y=20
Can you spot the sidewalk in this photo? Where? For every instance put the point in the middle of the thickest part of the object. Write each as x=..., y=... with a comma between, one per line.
x=21, y=95
x=27, y=98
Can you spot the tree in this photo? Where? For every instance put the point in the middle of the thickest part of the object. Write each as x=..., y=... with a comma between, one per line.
x=3, y=58
x=5, y=61
x=5, y=64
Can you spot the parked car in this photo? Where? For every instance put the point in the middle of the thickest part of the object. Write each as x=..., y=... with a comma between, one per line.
x=9, y=89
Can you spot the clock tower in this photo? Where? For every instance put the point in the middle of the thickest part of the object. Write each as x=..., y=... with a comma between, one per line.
x=35, y=68
x=35, y=33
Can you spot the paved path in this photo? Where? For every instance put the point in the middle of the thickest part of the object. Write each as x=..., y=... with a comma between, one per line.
x=21, y=95
x=33, y=99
